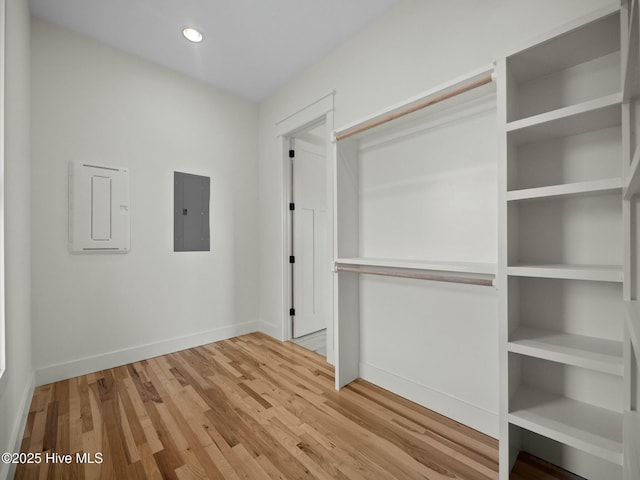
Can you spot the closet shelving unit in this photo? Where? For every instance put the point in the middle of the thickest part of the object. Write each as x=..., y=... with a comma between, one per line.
x=630, y=29
x=398, y=125
x=561, y=254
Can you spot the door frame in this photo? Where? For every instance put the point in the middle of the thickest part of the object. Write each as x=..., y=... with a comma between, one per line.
x=3, y=331
x=315, y=113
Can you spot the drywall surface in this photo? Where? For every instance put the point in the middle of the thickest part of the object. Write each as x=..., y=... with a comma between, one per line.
x=16, y=387
x=412, y=48
x=97, y=105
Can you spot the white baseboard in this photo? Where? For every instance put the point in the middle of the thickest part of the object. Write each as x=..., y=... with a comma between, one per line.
x=454, y=408
x=270, y=329
x=62, y=371
x=8, y=471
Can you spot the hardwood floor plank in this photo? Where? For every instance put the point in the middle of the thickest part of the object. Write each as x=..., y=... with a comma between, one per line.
x=261, y=442
x=129, y=443
x=255, y=395
x=115, y=438
x=36, y=442
x=148, y=462
x=194, y=451
x=168, y=464
x=41, y=398
x=75, y=417
x=193, y=466
x=28, y=430
x=85, y=404
x=140, y=412
x=129, y=415
x=319, y=456
x=51, y=427
x=168, y=459
x=221, y=453
x=269, y=468
x=251, y=408
x=246, y=464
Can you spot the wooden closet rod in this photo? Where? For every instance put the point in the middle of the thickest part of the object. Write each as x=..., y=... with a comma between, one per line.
x=419, y=106
x=418, y=276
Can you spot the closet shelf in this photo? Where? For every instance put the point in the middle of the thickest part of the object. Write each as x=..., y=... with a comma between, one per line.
x=596, y=273
x=577, y=350
x=584, y=117
x=595, y=430
x=632, y=310
x=633, y=182
x=561, y=49
x=569, y=189
x=425, y=265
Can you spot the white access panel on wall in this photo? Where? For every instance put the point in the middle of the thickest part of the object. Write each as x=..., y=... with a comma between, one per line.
x=98, y=208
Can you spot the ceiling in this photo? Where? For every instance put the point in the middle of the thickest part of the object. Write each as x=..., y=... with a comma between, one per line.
x=250, y=47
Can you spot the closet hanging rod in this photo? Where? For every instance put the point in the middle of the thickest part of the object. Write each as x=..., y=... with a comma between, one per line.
x=419, y=106
x=418, y=276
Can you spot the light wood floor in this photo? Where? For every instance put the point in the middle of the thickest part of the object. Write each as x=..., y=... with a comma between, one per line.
x=246, y=408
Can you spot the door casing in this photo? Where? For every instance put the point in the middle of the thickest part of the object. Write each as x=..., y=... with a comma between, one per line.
x=315, y=113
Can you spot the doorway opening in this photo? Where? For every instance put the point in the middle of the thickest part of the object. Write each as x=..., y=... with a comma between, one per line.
x=310, y=257
x=307, y=212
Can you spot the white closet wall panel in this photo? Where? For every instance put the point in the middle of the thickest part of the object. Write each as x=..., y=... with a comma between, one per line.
x=346, y=191
x=440, y=336
x=429, y=192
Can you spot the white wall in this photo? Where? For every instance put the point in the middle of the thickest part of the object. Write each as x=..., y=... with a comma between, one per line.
x=415, y=46
x=16, y=388
x=95, y=104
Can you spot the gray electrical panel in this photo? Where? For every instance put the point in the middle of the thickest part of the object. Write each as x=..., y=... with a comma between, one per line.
x=190, y=212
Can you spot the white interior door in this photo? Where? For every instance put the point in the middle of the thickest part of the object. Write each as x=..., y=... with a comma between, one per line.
x=311, y=272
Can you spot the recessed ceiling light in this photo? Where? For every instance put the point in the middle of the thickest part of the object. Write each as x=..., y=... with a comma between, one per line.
x=192, y=34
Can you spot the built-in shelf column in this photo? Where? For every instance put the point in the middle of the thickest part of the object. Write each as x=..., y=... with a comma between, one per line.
x=561, y=270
